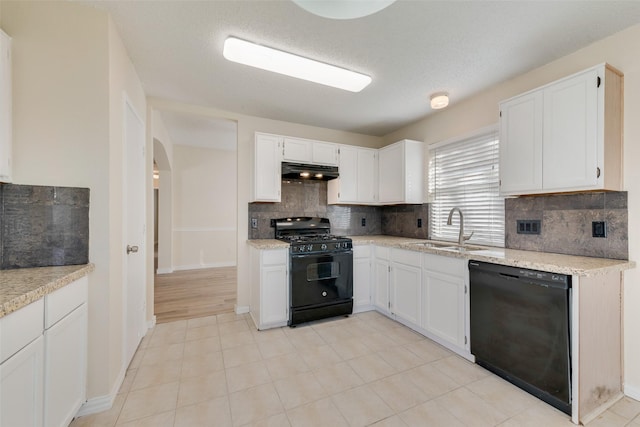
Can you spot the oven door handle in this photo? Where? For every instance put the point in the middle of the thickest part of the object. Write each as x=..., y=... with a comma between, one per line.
x=317, y=254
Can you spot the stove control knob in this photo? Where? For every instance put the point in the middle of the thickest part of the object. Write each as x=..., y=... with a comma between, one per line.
x=299, y=248
x=324, y=293
x=323, y=247
x=309, y=247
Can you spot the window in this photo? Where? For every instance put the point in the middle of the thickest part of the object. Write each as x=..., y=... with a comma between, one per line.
x=464, y=174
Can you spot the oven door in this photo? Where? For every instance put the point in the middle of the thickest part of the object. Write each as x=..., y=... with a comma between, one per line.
x=321, y=278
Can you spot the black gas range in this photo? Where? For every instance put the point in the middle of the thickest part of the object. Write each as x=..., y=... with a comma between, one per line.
x=321, y=269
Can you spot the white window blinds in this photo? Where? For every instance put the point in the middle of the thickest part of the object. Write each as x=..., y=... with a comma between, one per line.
x=464, y=174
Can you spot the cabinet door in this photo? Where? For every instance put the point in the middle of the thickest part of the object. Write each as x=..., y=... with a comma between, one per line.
x=348, y=191
x=521, y=144
x=570, y=133
x=367, y=171
x=274, y=294
x=361, y=278
x=444, y=307
x=297, y=150
x=5, y=108
x=324, y=153
x=267, y=179
x=391, y=173
x=381, y=295
x=21, y=387
x=65, y=368
x=405, y=284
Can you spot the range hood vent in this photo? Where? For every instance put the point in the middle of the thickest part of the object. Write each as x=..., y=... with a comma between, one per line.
x=305, y=171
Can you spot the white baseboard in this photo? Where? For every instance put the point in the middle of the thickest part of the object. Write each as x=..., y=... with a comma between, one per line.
x=151, y=323
x=102, y=403
x=164, y=270
x=201, y=266
x=242, y=309
x=632, y=391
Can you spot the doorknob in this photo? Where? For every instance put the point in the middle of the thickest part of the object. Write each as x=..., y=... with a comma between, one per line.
x=130, y=249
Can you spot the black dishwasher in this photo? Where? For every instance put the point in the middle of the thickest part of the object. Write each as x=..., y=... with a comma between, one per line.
x=520, y=328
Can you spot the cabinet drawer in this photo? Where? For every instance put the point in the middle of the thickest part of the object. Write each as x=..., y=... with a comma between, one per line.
x=63, y=301
x=407, y=257
x=362, y=251
x=382, y=252
x=20, y=328
x=445, y=264
x=275, y=257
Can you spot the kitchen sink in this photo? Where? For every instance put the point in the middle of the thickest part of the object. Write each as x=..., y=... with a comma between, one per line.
x=448, y=246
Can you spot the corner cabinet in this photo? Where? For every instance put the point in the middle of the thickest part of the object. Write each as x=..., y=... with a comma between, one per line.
x=269, y=287
x=401, y=172
x=267, y=179
x=565, y=136
x=5, y=108
x=358, y=183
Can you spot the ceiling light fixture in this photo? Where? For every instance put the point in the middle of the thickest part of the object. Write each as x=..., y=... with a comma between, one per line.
x=277, y=61
x=439, y=100
x=343, y=9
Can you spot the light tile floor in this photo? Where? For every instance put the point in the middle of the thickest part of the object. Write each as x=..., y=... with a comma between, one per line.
x=357, y=371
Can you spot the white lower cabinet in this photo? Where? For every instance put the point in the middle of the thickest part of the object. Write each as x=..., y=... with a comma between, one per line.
x=382, y=272
x=21, y=387
x=65, y=368
x=269, y=287
x=43, y=379
x=445, y=301
x=406, y=284
x=362, y=278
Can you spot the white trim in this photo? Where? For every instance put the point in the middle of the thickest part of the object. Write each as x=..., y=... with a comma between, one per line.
x=200, y=266
x=468, y=135
x=241, y=309
x=164, y=270
x=632, y=391
x=102, y=403
x=151, y=323
x=203, y=229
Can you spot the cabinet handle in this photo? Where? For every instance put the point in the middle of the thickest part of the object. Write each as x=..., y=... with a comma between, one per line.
x=597, y=172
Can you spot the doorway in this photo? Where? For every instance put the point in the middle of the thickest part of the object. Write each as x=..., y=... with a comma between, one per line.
x=197, y=218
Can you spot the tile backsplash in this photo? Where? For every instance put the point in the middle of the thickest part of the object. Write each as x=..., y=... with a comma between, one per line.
x=566, y=224
x=309, y=198
x=43, y=226
x=566, y=219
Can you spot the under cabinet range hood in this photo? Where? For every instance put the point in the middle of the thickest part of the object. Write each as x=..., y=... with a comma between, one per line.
x=306, y=171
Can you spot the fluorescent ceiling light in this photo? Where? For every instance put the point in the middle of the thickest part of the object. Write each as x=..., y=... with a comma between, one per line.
x=269, y=59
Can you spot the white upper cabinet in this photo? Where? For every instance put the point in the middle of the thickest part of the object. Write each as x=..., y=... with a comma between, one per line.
x=401, y=172
x=307, y=151
x=267, y=180
x=358, y=176
x=5, y=108
x=565, y=136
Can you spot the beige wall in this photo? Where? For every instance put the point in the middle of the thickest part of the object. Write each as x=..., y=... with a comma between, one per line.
x=70, y=70
x=204, y=208
x=621, y=51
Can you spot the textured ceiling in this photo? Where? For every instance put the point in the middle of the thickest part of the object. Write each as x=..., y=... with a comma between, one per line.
x=411, y=49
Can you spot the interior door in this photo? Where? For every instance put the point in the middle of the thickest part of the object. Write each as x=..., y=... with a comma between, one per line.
x=134, y=231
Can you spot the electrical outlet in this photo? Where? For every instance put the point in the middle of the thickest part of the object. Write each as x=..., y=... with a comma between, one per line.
x=599, y=229
x=419, y=222
x=528, y=226
x=363, y=222
x=254, y=222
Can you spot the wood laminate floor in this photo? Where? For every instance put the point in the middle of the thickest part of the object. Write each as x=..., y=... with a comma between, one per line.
x=194, y=293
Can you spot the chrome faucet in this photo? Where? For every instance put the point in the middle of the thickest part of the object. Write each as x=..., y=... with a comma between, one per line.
x=461, y=237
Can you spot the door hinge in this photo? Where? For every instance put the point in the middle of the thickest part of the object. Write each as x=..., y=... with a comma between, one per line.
x=338, y=151
x=465, y=340
x=389, y=269
x=598, y=172
x=599, y=81
x=389, y=305
x=465, y=290
x=500, y=113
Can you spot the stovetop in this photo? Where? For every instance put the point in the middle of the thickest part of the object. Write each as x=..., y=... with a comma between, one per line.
x=310, y=235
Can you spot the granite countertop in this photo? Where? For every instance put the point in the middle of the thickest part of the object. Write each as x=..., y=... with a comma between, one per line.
x=22, y=286
x=553, y=263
